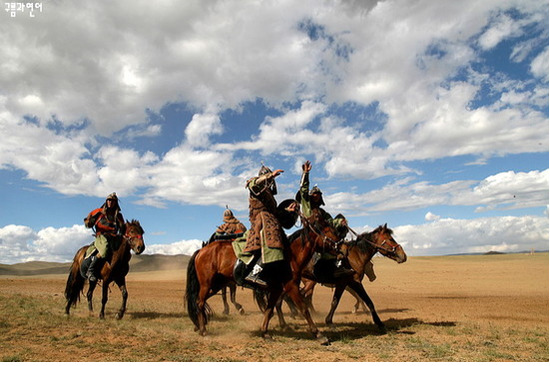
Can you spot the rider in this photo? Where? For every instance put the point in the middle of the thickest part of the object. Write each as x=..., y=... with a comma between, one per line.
x=311, y=202
x=108, y=224
x=266, y=229
x=231, y=225
x=230, y=229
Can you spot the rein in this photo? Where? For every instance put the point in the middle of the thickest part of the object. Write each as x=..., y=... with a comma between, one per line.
x=377, y=246
x=334, y=244
x=130, y=238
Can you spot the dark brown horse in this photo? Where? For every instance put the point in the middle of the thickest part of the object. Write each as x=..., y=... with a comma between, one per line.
x=211, y=268
x=358, y=252
x=116, y=271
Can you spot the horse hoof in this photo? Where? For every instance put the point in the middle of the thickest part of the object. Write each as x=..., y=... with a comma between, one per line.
x=267, y=336
x=241, y=311
x=203, y=333
x=119, y=316
x=324, y=341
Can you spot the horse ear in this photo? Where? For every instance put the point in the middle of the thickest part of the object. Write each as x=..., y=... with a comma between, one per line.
x=386, y=226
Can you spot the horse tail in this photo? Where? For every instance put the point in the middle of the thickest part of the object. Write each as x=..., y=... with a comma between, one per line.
x=75, y=282
x=192, y=293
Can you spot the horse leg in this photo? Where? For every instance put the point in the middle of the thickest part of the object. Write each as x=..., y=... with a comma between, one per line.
x=279, y=310
x=232, y=296
x=274, y=295
x=358, y=302
x=224, y=299
x=122, y=286
x=294, y=292
x=360, y=290
x=307, y=291
x=89, y=297
x=201, y=306
x=291, y=306
x=104, y=298
x=334, y=303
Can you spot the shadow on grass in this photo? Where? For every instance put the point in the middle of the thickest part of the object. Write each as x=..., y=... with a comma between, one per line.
x=154, y=315
x=354, y=330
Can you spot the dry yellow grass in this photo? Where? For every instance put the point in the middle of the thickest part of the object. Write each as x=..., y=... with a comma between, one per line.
x=459, y=308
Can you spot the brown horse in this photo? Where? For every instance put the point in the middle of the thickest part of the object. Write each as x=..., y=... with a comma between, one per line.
x=115, y=271
x=211, y=268
x=358, y=252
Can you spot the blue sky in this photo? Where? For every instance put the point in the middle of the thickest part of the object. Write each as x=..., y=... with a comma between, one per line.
x=430, y=116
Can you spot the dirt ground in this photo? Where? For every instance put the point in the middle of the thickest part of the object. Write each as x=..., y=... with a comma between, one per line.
x=455, y=308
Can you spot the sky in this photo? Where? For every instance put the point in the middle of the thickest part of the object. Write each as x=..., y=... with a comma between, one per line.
x=430, y=116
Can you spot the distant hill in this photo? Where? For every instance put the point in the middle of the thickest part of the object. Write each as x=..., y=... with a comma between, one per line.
x=141, y=263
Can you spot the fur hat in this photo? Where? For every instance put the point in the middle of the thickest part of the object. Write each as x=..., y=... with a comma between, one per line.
x=228, y=215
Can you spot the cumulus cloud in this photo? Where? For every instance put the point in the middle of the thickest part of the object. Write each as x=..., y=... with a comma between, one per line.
x=440, y=237
x=503, y=191
x=21, y=243
x=281, y=54
x=432, y=217
x=187, y=247
x=454, y=236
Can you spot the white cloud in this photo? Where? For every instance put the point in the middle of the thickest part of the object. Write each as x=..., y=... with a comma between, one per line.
x=432, y=217
x=453, y=236
x=441, y=237
x=539, y=65
x=21, y=243
x=187, y=247
x=503, y=191
x=201, y=127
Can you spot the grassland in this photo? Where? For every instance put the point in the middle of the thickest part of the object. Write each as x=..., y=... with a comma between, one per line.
x=459, y=308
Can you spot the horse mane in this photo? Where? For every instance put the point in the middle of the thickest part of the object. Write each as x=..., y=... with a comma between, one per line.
x=363, y=245
x=295, y=235
x=136, y=223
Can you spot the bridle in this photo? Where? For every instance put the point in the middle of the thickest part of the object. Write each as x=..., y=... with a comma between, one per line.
x=335, y=245
x=130, y=239
x=385, y=245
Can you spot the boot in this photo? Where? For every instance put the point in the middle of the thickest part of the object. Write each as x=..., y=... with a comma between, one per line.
x=254, y=276
x=90, y=273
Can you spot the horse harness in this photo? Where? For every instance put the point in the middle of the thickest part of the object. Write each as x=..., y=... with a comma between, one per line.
x=335, y=245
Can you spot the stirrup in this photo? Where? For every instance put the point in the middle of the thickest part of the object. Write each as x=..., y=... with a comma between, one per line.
x=254, y=276
x=256, y=280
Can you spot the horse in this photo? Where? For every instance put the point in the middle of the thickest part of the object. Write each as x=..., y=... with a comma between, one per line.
x=116, y=271
x=232, y=286
x=211, y=268
x=358, y=252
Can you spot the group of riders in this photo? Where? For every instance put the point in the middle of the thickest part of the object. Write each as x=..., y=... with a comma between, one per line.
x=266, y=234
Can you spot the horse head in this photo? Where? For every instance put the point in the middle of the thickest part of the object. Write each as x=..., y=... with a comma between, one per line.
x=381, y=239
x=134, y=236
x=327, y=237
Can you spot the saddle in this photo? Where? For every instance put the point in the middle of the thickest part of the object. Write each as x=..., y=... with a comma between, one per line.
x=330, y=270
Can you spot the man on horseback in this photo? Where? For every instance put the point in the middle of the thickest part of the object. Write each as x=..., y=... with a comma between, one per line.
x=267, y=220
x=108, y=225
x=231, y=225
x=311, y=202
x=231, y=228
